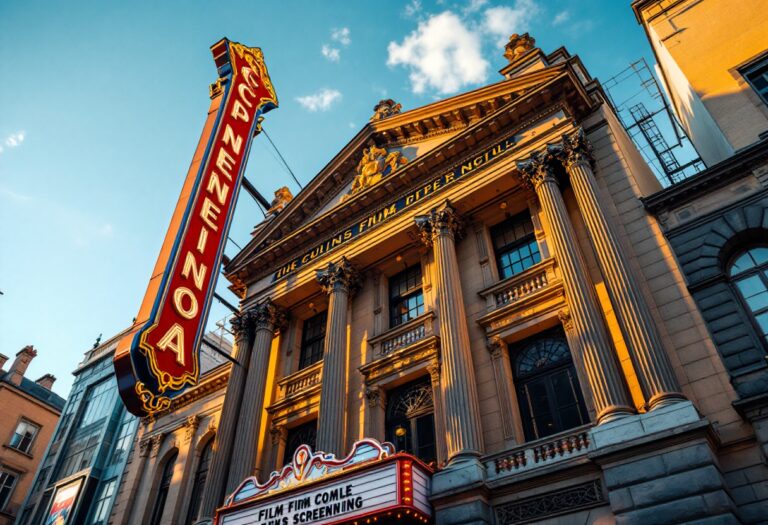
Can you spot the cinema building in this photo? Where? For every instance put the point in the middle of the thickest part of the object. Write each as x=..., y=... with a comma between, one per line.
x=478, y=283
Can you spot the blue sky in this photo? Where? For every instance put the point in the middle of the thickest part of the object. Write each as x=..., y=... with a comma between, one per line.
x=102, y=104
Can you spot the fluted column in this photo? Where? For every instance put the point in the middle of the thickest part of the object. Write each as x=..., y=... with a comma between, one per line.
x=339, y=281
x=458, y=388
x=654, y=372
x=437, y=401
x=505, y=393
x=267, y=317
x=213, y=494
x=594, y=350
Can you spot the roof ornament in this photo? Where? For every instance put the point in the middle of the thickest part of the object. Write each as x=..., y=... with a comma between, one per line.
x=282, y=197
x=518, y=45
x=385, y=108
x=376, y=164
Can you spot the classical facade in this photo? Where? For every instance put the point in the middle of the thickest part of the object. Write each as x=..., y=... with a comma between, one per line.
x=30, y=411
x=717, y=221
x=479, y=283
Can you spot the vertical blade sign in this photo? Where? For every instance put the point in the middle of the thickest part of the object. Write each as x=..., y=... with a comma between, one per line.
x=158, y=358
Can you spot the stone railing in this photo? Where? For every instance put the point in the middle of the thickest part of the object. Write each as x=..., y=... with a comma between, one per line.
x=520, y=286
x=402, y=336
x=300, y=381
x=539, y=453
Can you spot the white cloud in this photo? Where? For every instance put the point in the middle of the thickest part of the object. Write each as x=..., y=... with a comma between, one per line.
x=412, y=8
x=474, y=5
x=501, y=22
x=442, y=54
x=13, y=140
x=331, y=53
x=561, y=18
x=320, y=101
x=341, y=36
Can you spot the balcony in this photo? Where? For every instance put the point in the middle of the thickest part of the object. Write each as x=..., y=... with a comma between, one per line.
x=402, y=335
x=298, y=383
x=552, y=450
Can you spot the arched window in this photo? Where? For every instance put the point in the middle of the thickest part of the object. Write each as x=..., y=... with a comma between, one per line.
x=162, y=490
x=199, y=484
x=749, y=273
x=547, y=387
x=305, y=434
x=410, y=420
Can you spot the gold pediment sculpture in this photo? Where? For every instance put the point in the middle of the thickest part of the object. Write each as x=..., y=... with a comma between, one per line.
x=518, y=45
x=282, y=197
x=385, y=108
x=376, y=164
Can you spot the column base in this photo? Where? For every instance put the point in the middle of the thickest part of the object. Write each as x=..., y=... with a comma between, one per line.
x=461, y=480
x=614, y=413
x=462, y=473
x=665, y=399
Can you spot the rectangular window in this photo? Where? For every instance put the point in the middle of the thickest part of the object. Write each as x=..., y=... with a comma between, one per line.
x=406, y=298
x=757, y=76
x=7, y=484
x=124, y=438
x=313, y=340
x=101, y=507
x=24, y=436
x=515, y=246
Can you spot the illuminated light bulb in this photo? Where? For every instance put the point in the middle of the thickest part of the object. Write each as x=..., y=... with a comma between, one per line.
x=503, y=205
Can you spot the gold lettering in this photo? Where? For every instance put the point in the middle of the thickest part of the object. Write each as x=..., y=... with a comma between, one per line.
x=244, y=87
x=173, y=340
x=436, y=185
x=202, y=240
x=409, y=200
x=347, y=235
x=208, y=213
x=466, y=167
x=478, y=161
x=239, y=112
x=224, y=162
x=361, y=227
x=215, y=185
x=178, y=302
x=198, y=272
x=234, y=141
x=449, y=177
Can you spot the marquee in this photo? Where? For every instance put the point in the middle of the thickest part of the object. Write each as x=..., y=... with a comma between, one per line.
x=316, y=488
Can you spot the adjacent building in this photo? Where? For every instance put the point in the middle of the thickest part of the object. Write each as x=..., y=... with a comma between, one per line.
x=717, y=221
x=30, y=410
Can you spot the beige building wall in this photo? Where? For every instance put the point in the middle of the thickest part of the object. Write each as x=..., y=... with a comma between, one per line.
x=702, y=48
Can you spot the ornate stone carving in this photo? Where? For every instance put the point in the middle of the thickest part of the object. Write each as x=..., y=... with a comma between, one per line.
x=155, y=442
x=574, y=149
x=537, y=169
x=434, y=371
x=242, y=322
x=191, y=427
x=282, y=197
x=269, y=316
x=440, y=221
x=375, y=164
x=144, y=447
x=373, y=395
x=496, y=346
x=565, y=318
x=385, y=108
x=277, y=433
x=339, y=275
x=518, y=45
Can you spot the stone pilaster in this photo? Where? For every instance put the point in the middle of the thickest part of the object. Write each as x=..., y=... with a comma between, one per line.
x=650, y=361
x=437, y=400
x=267, y=318
x=339, y=281
x=505, y=391
x=279, y=436
x=440, y=230
x=375, y=416
x=213, y=494
x=594, y=349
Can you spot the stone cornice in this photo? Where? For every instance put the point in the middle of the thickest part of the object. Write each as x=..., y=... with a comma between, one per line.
x=557, y=83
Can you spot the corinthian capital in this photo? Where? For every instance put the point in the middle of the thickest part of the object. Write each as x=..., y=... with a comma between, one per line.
x=241, y=323
x=539, y=168
x=496, y=346
x=341, y=275
x=440, y=221
x=269, y=316
x=575, y=149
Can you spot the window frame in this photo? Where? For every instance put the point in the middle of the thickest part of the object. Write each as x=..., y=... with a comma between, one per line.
x=287, y=458
x=304, y=343
x=752, y=68
x=527, y=240
x=163, y=488
x=412, y=420
x=37, y=427
x=12, y=488
x=104, y=499
x=758, y=270
x=394, y=300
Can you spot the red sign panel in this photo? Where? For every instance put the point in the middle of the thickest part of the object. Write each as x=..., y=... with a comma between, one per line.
x=158, y=358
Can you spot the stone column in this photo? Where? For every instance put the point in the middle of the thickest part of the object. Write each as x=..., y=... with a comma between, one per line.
x=440, y=230
x=654, y=372
x=213, y=494
x=267, y=318
x=339, y=281
x=594, y=351
x=505, y=390
x=434, y=376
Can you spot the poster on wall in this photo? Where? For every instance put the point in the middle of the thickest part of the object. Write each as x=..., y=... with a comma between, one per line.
x=63, y=505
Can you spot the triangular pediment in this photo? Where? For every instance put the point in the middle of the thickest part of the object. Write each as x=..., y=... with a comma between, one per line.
x=412, y=136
